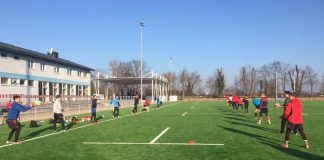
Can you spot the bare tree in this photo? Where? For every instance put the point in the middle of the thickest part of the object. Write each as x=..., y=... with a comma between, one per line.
x=220, y=81
x=311, y=78
x=183, y=78
x=244, y=80
x=211, y=85
x=297, y=76
x=282, y=70
x=193, y=79
x=253, y=74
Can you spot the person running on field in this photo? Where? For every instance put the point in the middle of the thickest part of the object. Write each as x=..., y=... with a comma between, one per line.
x=136, y=102
x=264, y=108
x=246, y=104
x=256, y=103
x=58, y=113
x=12, y=119
x=94, y=110
x=116, y=107
x=293, y=114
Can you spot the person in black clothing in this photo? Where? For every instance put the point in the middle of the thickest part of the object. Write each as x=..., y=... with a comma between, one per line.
x=94, y=111
x=136, y=102
x=246, y=104
x=284, y=106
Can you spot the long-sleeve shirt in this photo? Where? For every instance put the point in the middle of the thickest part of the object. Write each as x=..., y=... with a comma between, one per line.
x=57, y=108
x=15, y=110
x=264, y=103
x=116, y=103
x=294, y=111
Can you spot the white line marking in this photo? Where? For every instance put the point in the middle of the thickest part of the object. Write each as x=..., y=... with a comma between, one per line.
x=178, y=144
x=51, y=134
x=184, y=114
x=156, y=138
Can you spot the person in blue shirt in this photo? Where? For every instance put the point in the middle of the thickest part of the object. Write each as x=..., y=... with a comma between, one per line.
x=12, y=118
x=94, y=111
x=116, y=107
x=256, y=103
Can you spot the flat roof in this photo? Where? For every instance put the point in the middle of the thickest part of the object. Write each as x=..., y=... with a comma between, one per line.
x=22, y=51
x=127, y=80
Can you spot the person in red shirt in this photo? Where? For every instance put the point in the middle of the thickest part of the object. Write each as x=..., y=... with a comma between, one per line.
x=147, y=105
x=293, y=114
x=234, y=102
x=8, y=105
x=239, y=103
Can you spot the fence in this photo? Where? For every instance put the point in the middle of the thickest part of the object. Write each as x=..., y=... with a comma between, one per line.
x=194, y=99
x=70, y=109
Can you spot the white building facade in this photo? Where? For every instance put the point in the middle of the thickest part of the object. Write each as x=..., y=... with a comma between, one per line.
x=37, y=76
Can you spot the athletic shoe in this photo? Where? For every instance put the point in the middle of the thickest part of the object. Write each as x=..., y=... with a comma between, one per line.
x=18, y=142
x=306, y=146
x=284, y=146
x=259, y=123
x=8, y=142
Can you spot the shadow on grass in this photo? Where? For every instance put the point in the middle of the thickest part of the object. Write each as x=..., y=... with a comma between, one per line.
x=36, y=133
x=273, y=143
x=294, y=152
x=254, y=127
x=235, y=118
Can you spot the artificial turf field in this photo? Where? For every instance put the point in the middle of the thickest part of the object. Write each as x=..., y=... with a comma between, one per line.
x=189, y=123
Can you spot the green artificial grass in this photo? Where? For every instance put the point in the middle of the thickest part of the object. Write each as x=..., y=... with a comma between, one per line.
x=205, y=122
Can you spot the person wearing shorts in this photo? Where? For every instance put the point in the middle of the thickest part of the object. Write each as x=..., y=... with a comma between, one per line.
x=264, y=109
x=256, y=103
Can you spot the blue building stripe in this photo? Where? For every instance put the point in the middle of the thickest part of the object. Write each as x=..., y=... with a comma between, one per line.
x=38, y=78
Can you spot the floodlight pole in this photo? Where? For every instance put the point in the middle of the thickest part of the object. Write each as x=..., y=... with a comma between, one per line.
x=171, y=75
x=142, y=26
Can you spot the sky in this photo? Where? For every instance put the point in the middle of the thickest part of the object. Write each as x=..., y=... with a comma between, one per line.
x=201, y=35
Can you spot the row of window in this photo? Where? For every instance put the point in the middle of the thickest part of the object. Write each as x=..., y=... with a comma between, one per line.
x=57, y=69
x=16, y=82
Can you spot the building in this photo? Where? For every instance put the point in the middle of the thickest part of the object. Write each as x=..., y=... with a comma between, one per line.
x=38, y=76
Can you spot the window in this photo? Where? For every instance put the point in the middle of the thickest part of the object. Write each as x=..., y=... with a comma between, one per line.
x=57, y=69
x=31, y=64
x=30, y=83
x=69, y=71
x=85, y=75
x=79, y=73
x=23, y=82
x=3, y=54
x=5, y=81
x=43, y=66
x=15, y=81
x=16, y=57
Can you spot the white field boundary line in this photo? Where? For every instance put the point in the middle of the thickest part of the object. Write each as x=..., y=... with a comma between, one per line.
x=184, y=114
x=157, y=137
x=51, y=134
x=174, y=144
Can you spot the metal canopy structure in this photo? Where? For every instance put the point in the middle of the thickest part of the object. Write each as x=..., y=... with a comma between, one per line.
x=160, y=84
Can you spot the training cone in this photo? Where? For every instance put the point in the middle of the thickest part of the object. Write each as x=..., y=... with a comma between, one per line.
x=191, y=142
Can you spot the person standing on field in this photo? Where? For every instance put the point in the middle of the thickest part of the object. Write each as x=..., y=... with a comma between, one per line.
x=136, y=102
x=116, y=107
x=293, y=114
x=264, y=108
x=246, y=104
x=58, y=113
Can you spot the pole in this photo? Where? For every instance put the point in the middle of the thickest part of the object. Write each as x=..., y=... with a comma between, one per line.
x=141, y=25
x=276, y=98
x=171, y=75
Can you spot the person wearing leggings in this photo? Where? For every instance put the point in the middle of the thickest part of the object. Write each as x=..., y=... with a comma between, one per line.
x=293, y=114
